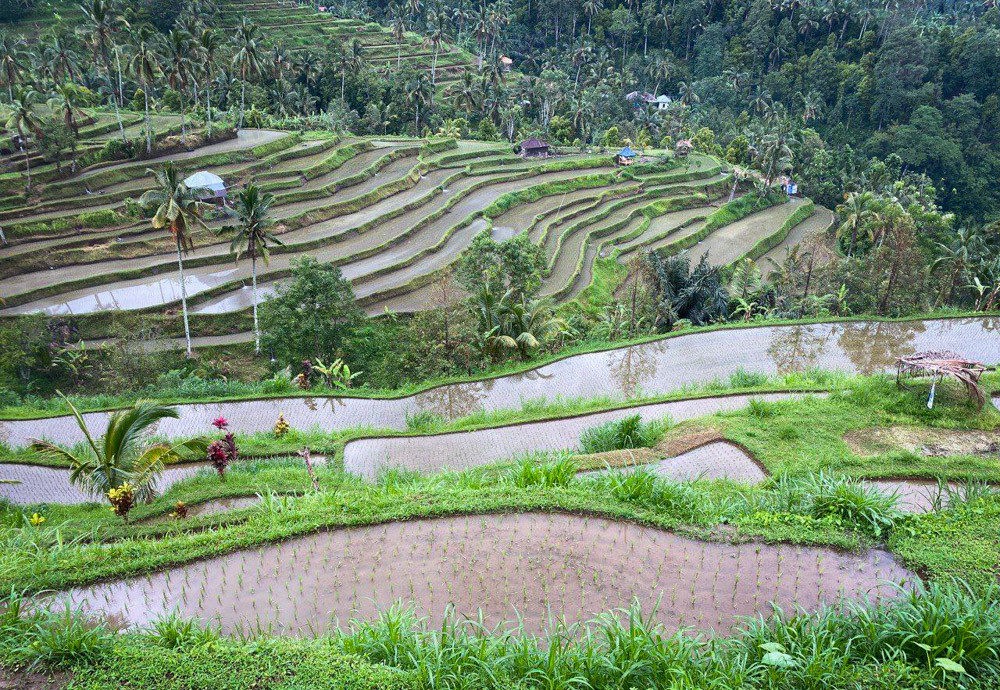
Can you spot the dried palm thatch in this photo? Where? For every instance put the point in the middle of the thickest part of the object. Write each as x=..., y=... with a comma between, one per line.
x=938, y=365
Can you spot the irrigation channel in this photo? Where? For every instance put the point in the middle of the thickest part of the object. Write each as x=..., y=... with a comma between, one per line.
x=653, y=368
x=534, y=567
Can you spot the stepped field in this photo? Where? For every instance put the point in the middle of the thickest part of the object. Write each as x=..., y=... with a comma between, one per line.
x=392, y=213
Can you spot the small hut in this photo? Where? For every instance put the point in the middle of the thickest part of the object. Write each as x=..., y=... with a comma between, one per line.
x=506, y=64
x=935, y=366
x=683, y=148
x=209, y=186
x=625, y=156
x=534, y=148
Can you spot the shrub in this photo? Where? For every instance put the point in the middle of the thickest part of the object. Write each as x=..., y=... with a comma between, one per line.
x=100, y=219
x=629, y=432
x=117, y=149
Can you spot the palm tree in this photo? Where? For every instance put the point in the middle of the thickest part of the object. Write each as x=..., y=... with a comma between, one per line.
x=508, y=325
x=145, y=67
x=209, y=43
x=102, y=23
x=246, y=58
x=119, y=457
x=64, y=99
x=437, y=36
x=22, y=117
x=418, y=91
x=687, y=94
x=590, y=8
x=177, y=208
x=253, y=237
x=855, y=211
x=12, y=62
x=180, y=67
x=959, y=256
x=61, y=58
x=398, y=31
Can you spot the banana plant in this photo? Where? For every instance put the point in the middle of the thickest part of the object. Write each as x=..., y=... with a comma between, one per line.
x=337, y=373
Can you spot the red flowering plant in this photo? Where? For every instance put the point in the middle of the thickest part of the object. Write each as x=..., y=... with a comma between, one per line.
x=223, y=451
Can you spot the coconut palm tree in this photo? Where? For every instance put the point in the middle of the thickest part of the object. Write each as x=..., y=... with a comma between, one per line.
x=178, y=209
x=179, y=67
x=246, y=58
x=209, y=44
x=64, y=100
x=253, y=237
x=418, y=91
x=855, y=211
x=119, y=457
x=437, y=20
x=145, y=67
x=22, y=118
x=62, y=60
x=12, y=62
x=102, y=22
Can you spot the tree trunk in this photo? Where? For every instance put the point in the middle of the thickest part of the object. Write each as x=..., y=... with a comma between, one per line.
x=180, y=93
x=243, y=101
x=149, y=133
x=208, y=106
x=256, y=323
x=434, y=66
x=184, y=302
x=27, y=158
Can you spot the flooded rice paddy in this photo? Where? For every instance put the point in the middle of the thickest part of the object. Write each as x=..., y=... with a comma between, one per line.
x=650, y=369
x=462, y=450
x=538, y=567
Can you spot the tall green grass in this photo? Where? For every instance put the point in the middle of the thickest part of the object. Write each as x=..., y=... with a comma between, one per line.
x=930, y=638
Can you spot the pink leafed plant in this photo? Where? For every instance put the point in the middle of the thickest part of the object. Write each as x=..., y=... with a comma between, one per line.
x=223, y=451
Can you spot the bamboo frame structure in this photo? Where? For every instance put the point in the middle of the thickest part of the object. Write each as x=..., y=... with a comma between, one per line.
x=938, y=364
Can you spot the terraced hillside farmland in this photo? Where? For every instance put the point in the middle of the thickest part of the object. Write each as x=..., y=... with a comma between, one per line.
x=392, y=213
x=298, y=27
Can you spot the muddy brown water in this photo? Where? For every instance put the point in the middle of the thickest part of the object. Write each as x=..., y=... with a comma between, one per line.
x=458, y=451
x=536, y=566
x=653, y=368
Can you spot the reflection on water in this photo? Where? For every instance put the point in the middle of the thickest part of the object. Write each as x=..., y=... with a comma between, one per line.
x=650, y=369
x=631, y=367
x=453, y=401
x=798, y=348
x=875, y=346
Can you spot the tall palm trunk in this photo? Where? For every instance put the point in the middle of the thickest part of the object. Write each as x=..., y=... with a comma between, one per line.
x=343, y=83
x=208, y=105
x=434, y=65
x=27, y=158
x=184, y=301
x=180, y=94
x=149, y=133
x=256, y=323
x=114, y=99
x=243, y=101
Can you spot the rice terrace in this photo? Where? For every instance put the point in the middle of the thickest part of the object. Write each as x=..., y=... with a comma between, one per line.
x=444, y=345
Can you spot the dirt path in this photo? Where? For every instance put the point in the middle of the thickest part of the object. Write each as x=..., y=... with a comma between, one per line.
x=654, y=368
x=527, y=566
